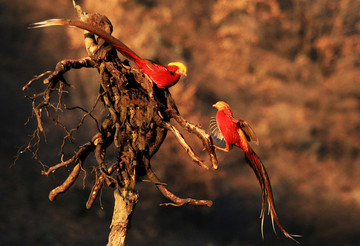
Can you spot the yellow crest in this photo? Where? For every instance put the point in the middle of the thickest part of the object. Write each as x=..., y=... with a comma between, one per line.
x=182, y=68
x=221, y=105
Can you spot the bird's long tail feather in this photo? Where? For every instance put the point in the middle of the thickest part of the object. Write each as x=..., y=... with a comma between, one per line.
x=267, y=195
x=120, y=46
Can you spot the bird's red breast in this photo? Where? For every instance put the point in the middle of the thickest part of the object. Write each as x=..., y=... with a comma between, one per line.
x=230, y=130
x=227, y=127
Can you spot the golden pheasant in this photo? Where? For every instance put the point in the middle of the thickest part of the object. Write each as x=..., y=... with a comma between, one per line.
x=164, y=76
x=237, y=132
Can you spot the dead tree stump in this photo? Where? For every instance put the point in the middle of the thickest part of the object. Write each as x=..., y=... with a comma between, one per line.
x=139, y=117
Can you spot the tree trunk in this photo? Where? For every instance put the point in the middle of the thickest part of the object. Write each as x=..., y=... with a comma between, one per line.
x=125, y=201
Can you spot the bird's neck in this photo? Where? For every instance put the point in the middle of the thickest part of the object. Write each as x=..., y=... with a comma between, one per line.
x=227, y=112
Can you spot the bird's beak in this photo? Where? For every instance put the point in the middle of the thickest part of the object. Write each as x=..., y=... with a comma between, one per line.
x=214, y=105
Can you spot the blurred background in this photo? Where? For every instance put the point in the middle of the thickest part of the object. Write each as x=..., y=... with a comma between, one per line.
x=288, y=67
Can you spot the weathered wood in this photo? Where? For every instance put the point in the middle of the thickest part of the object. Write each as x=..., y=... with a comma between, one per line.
x=125, y=201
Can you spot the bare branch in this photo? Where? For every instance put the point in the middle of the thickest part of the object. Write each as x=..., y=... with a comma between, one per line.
x=183, y=143
x=98, y=185
x=36, y=78
x=67, y=183
x=81, y=154
x=176, y=201
x=199, y=132
x=65, y=65
x=207, y=140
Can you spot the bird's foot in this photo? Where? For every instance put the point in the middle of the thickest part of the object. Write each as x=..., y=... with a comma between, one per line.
x=219, y=148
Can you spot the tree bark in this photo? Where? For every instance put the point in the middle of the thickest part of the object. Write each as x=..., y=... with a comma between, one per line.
x=125, y=201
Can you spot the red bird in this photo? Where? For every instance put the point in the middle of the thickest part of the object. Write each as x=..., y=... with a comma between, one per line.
x=237, y=132
x=164, y=76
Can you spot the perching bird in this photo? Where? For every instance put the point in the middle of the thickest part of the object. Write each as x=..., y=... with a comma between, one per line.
x=164, y=76
x=237, y=132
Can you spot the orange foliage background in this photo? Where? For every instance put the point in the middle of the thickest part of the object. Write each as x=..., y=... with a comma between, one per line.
x=288, y=67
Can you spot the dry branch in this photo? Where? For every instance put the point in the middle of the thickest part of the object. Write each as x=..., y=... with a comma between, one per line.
x=67, y=184
x=183, y=143
x=176, y=201
x=98, y=185
x=200, y=133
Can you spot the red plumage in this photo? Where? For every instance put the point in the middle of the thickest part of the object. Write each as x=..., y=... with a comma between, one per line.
x=164, y=76
x=229, y=129
x=238, y=133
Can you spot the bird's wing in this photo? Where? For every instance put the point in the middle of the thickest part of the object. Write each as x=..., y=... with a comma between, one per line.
x=150, y=64
x=155, y=66
x=215, y=132
x=249, y=132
